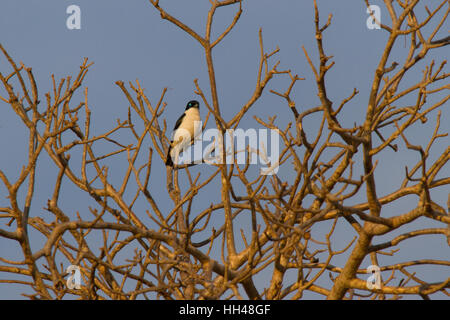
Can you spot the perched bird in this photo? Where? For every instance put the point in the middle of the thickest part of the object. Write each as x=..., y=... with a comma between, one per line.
x=184, y=132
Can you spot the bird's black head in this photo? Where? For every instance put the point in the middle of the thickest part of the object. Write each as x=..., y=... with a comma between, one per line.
x=192, y=104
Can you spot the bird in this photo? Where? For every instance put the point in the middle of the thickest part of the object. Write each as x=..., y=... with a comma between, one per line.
x=184, y=132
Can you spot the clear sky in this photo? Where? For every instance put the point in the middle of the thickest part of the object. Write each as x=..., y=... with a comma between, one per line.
x=127, y=40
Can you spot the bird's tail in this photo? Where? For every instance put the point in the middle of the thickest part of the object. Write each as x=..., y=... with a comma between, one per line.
x=169, y=161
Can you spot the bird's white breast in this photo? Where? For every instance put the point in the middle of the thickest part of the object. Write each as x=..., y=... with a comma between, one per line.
x=189, y=127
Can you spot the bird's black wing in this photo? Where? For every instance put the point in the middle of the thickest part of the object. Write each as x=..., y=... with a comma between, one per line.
x=178, y=123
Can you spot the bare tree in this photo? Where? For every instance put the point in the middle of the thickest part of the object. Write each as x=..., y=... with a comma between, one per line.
x=162, y=259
